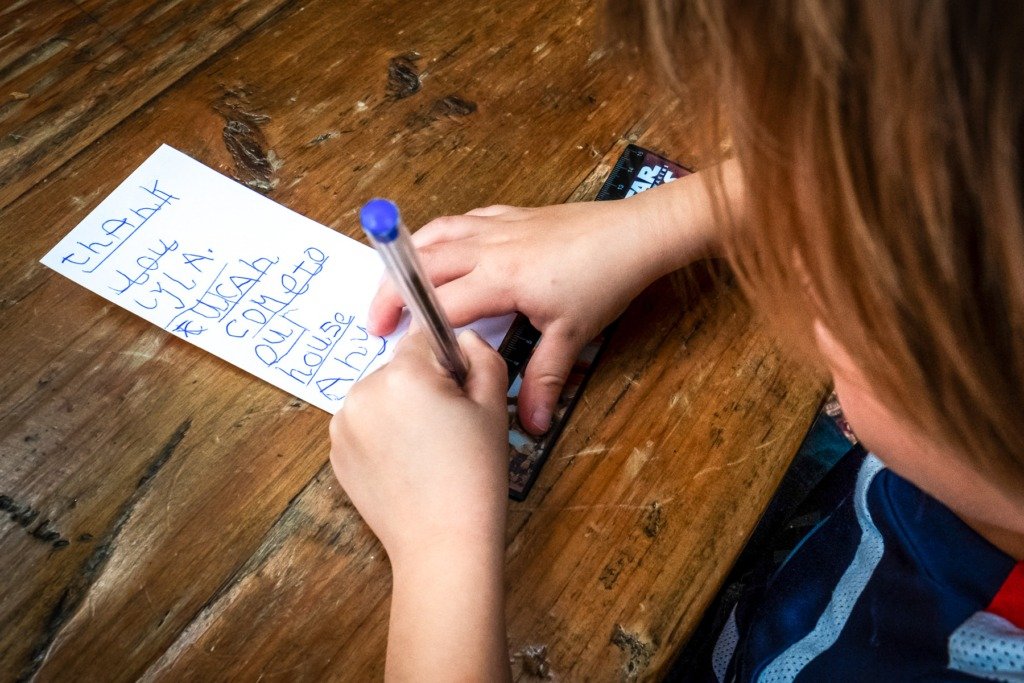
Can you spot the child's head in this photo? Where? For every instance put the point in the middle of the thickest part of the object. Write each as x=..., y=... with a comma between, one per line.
x=881, y=148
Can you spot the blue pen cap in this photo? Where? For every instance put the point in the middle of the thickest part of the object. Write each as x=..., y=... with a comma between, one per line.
x=380, y=220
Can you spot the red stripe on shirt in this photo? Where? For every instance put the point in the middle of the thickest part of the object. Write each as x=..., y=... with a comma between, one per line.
x=1009, y=601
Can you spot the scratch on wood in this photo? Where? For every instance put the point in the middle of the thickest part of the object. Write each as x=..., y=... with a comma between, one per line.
x=25, y=514
x=639, y=457
x=168, y=449
x=715, y=468
x=676, y=398
x=534, y=660
x=612, y=570
x=592, y=450
x=638, y=652
x=452, y=52
x=72, y=596
x=277, y=536
x=654, y=520
x=594, y=506
x=323, y=137
x=453, y=105
x=449, y=107
x=403, y=76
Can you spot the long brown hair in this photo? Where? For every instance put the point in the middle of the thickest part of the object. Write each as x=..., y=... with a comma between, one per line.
x=880, y=144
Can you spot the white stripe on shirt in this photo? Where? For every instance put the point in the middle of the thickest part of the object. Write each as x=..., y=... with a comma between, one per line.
x=793, y=659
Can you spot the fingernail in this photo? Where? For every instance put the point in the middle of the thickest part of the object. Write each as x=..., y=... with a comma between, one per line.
x=542, y=418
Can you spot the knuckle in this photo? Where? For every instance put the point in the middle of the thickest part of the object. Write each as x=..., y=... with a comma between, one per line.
x=429, y=255
x=495, y=363
x=443, y=223
x=335, y=428
x=570, y=330
x=550, y=378
x=340, y=442
x=355, y=401
x=572, y=333
x=396, y=383
x=503, y=271
x=486, y=357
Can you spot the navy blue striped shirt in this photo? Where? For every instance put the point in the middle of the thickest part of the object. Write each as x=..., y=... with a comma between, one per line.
x=890, y=586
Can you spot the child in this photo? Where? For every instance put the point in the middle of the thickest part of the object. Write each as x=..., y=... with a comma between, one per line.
x=872, y=210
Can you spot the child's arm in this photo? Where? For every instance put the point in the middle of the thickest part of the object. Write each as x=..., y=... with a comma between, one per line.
x=426, y=464
x=448, y=616
x=571, y=269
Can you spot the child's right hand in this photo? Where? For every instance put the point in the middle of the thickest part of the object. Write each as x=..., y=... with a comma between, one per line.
x=570, y=268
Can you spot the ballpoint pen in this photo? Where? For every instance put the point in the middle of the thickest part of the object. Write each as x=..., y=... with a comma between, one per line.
x=383, y=225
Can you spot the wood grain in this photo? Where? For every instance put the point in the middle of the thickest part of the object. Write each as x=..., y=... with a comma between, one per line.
x=70, y=70
x=200, y=533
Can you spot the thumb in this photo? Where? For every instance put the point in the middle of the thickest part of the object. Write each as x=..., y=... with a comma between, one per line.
x=487, y=383
x=543, y=381
x=414, y=349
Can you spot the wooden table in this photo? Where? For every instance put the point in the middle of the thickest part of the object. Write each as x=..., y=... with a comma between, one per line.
x=168, y=517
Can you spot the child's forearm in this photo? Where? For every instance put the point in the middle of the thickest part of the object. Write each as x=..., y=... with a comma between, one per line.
x=448, y=616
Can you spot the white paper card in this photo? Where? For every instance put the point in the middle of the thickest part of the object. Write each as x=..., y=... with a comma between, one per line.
x=238, y=275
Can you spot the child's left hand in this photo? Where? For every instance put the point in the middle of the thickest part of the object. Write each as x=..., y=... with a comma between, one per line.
x=424, y=460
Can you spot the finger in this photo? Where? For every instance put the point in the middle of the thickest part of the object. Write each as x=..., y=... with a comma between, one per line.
x=445, y=229
x=413, y=351
x=444, y=262
x=385, y=309
x=471, y=298
x=487, y=382
x=441, y=264
x=543, y=380
x=494, y=210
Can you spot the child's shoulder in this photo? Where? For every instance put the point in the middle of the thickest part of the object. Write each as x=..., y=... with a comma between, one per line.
x=976, y=592
x=890, y=585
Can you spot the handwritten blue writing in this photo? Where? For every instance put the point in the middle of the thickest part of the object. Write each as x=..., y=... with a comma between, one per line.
x=170, y=287
x=114, y=232
x=349, y=363
x=274, y=341
x=226, y=291
x=147, y=264
x=318, y=348
x=260, y=310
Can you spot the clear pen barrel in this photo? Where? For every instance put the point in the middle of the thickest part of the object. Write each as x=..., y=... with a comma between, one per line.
x=404, y=267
